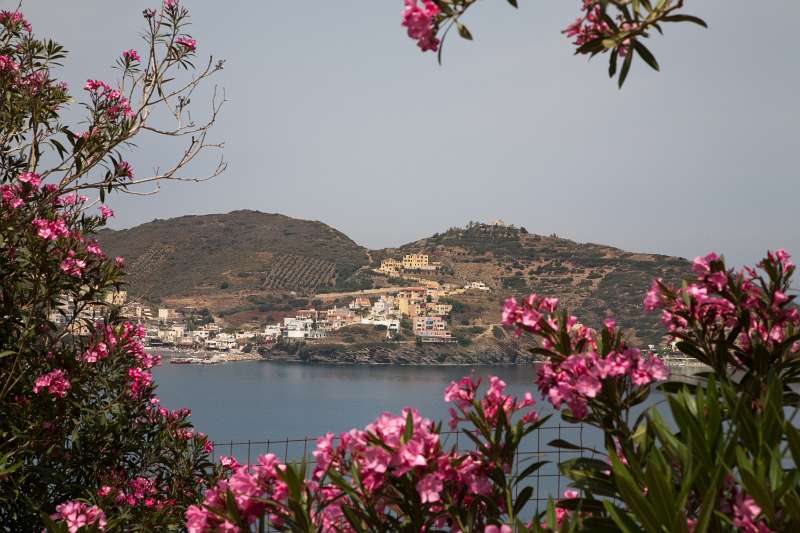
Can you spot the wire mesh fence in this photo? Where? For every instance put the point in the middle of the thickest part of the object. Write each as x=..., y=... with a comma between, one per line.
x=546, y=481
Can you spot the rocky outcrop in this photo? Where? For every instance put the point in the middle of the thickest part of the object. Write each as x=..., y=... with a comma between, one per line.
x=485, y=353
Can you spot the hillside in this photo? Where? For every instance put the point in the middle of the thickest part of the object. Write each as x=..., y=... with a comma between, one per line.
x=234, y=253
x=593, y=280
x=249, y=267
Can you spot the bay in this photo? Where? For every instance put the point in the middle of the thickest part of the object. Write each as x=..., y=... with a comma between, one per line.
x=256, y=407
x=259, y=400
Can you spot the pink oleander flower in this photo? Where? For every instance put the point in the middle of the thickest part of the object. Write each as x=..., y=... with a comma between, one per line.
x=51, y=229
x=11, y=19
x=171, y=4
x=109, y=100
x=718, y=302
x=125, y=170
x=97, y=86
x=228, y=462
x=420, y=21
x=31, y=178
x=11, y=196
x=429, y=488
x=94, y=249
x=119, y=261
x=8, y=65
x=140, y=380
x=188, y=43
x=149, y=13
x=73, y=265
x=131, y=55
x=589, y=26
x=96, y=353
x=702, y=265
x=106, y=212
x=494, y=402
x=579, y=378
x=55, y=382
x=77, y=515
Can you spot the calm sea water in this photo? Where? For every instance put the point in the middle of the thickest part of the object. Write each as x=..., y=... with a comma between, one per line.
x=268, y=400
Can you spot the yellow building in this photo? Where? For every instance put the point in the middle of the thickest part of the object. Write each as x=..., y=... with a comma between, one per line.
x=390, y=266
x=415, y=262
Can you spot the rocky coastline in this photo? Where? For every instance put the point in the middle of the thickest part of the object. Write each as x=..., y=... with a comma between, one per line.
x=494, y=353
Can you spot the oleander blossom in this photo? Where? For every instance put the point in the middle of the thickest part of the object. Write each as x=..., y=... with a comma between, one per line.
x=745, y=513
x=189, y=44
x=73, y=265
x=494, y=403
x=591, y=26
x=14, y=19
x=420, y=22
x=579, y=378
x=719, y=302
x=54, y=382
x=77, y=515
x=51, y=229
x=125, y=170
x=31, y=178
x=576, y=371
x=109, y=101
x=131, y=56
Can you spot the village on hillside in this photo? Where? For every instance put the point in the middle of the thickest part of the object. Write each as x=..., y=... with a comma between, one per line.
x=424, y=310
x=418, y=301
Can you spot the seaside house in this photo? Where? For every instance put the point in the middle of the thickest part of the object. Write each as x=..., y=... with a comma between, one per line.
x=432, y=329
x=272, y=331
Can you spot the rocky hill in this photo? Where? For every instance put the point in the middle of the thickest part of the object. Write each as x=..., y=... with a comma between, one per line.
x=239, y=251
x=250, y=267
x=593, y=280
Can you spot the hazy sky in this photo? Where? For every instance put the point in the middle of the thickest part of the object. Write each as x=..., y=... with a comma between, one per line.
x=335, y=115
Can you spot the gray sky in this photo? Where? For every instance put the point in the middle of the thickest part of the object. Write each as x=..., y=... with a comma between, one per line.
x=335, y=115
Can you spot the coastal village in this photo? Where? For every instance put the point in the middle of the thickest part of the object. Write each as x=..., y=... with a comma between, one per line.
x=414, y=300
x=424, y=310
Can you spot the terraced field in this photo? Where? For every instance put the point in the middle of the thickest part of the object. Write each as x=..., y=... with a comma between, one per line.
x=295, y=272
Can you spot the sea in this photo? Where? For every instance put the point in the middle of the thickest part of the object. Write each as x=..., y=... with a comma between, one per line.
x=256, y=407
x=266, y=402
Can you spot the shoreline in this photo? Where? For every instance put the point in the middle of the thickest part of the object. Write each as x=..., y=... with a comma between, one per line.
x=206, y=357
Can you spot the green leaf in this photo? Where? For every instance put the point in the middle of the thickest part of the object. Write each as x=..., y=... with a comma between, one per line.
x=463, y=31
x=513, y=3
x=621, y=518
x=645, y=54
x=626, y=67
x=632, y=495
x=522, y=499
x=686, y=18
x=530, y=469
x=692, y=351
x=409, y=432
x=612, y=70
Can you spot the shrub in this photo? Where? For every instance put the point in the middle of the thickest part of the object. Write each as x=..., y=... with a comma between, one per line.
x=82, y=434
